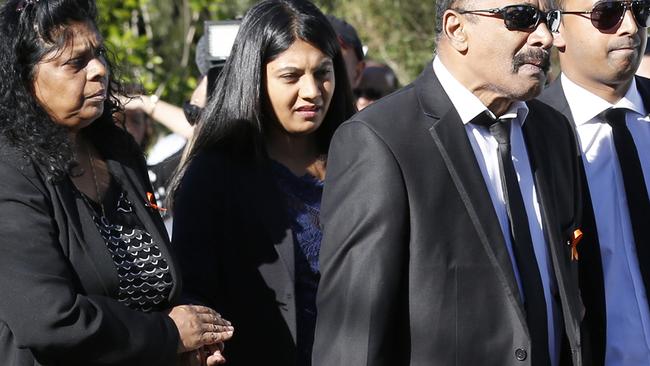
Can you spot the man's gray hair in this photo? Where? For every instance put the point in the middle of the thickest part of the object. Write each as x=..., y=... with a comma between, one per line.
x=441, y=7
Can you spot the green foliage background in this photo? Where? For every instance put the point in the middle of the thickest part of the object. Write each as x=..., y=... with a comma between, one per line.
x=153, y=40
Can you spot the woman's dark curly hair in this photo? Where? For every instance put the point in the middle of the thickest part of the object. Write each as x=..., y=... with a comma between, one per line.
x=30, y=30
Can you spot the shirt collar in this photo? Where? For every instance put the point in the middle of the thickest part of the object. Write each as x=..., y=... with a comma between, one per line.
x=467, y=104
x=585, y=105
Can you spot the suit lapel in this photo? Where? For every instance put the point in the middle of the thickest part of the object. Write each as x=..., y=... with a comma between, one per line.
x=279, y=276
x=557, y=240
x=269, y=210
x=285, y=249
x=271, y=213
x=550, y=223
x=554, y=96
x=85, y=235
x=643, y=85
x=590, y=272
x=450, y=138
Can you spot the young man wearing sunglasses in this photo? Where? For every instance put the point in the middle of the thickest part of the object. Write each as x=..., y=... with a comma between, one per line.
x=445, y=240
x=600, y=45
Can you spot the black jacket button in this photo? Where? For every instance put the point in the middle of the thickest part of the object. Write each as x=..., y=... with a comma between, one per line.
x=521, y=354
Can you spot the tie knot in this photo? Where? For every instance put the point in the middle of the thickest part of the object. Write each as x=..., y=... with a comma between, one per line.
x=501, y=131
x=499, y=127
x=615, y=116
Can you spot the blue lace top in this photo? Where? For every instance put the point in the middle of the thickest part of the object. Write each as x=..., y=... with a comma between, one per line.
x=303, y=197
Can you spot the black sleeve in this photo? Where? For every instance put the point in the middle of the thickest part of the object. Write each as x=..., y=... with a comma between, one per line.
x=41, y=305
x=364, y=253
x=198, y=228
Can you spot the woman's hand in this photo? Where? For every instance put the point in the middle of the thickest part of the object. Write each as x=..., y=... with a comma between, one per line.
x=205, y=356
x=214, y=354
x=144, y=103
x=199, y=326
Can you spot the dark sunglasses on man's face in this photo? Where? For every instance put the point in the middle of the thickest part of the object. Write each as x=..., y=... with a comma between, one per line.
x=606, y=15
x=515, y=17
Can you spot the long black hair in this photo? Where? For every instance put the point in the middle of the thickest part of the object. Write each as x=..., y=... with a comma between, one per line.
x=234, y=120
x=29, y=31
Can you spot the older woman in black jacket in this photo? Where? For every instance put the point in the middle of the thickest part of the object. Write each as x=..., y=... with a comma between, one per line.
x=86, y=273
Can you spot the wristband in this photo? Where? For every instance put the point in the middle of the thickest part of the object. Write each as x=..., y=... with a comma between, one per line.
x=153, y=99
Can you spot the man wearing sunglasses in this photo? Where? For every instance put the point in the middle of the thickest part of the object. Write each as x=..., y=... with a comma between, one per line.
x=449, y=205
x=600, y=46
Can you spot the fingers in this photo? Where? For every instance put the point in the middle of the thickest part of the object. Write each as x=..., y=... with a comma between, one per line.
x=214, y=328
x=213, y=319
x=132, y=103
x=202, y=310
x=209, y=315
x=218, y=347
x=216, y=358
x=199, y=326
x=215, y=337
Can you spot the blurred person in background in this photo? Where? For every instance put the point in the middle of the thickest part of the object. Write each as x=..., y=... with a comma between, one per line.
x=351, y=48
x=377, y=81
x=167, y=114
x=179, y=120
x=135, y=121
x=87, y=276
x=247, y=198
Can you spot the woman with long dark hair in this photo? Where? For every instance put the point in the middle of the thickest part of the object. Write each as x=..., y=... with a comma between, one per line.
x=87, y=276
x=247, y=199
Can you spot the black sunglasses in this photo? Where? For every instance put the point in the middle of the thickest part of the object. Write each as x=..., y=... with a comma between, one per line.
x=606, y=15
x=192, y=112
x=516, y=17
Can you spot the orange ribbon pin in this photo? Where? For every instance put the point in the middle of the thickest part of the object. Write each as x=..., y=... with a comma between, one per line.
x=151, y=203
x=575, y=239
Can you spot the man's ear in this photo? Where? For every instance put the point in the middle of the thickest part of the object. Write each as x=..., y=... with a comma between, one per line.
x=453, y=27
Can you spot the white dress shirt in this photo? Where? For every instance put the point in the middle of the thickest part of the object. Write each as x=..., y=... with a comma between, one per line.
x=628, y=321
x=485, y=147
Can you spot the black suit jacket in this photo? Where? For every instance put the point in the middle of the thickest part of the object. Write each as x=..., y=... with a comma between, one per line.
x=236, y=252
x=58, y=282
x=591, y=271
x=414, y=266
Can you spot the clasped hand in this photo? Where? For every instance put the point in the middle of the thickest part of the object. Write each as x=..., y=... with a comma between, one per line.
x=203, y=331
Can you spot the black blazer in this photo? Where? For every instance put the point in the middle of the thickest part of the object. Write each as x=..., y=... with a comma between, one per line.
x=235, y=247
x=414, y=266
x=58, y=282
x=591, y=270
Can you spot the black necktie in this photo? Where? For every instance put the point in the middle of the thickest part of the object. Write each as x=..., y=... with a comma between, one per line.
x=531, y=282
x=635, y=188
